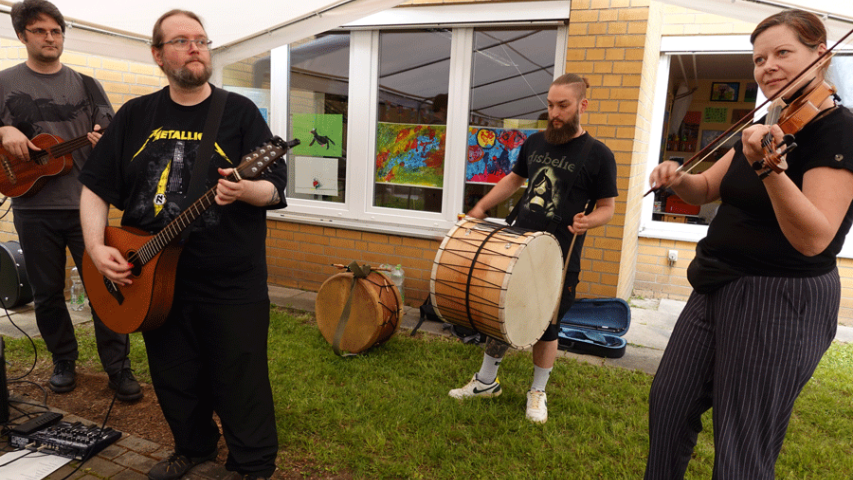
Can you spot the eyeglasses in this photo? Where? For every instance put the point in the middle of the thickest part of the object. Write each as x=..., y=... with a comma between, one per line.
x=56, y=32
x=184, y=43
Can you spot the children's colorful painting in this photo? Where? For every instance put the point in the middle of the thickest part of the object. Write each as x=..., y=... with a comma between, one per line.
x=492, y=152
x=410, y=154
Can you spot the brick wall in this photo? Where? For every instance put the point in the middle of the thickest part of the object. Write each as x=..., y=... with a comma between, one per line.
x=300, y=256
x=614, y=44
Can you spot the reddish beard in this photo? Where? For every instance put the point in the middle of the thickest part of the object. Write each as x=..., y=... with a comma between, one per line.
x=560, y=135
x=186, y=78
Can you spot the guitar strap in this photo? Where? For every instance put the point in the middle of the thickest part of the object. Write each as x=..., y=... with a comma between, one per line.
x=97, y=99
x=205, y=150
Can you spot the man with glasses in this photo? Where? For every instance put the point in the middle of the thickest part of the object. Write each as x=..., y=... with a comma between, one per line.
x=210, y=354
x=43, y=96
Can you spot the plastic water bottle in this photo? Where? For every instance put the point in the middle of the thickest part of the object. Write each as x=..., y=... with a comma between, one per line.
x=78, y=293
x=398, y=277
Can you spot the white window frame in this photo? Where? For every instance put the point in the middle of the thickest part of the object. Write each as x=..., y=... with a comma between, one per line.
x=358, y=210
x=650, y=228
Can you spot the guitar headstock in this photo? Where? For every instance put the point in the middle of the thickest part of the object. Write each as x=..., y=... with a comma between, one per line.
x=256, y=161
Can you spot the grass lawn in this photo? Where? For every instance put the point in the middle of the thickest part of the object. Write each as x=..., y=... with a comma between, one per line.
x=386, y=413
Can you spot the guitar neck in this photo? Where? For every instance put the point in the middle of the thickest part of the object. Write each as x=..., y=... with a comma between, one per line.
x=252, y=165
x=171, y=231
x=61, y=149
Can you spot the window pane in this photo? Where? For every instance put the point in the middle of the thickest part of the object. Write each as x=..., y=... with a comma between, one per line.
x=319, y=98
x=414, y=67
x=841, y=75
x=250, y=77
x=707, y=94
x=512, y=70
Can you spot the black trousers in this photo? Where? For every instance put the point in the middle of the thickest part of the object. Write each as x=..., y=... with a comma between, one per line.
x=213, y=358
x=44, y=235
x=746, y=351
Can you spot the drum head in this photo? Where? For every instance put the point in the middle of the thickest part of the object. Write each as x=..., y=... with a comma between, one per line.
x=14, y=285
x=366, y=315
x=532, y=290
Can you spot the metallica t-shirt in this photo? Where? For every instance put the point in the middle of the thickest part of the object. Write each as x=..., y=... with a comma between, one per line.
x=548, y=168
x=143, y=164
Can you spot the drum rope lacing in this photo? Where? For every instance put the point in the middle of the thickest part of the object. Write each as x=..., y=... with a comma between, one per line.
x=471, y=273
x=481, y=244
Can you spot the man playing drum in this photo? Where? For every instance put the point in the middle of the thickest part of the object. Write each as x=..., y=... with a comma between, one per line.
x=566, y=174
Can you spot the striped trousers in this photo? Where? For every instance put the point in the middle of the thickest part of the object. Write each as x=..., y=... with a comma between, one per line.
x=745, y=351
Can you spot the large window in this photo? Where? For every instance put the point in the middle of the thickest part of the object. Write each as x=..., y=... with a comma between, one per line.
x=511, y=72
x=706, y=94
x=414, y=70
x=319, y=113
x=703, y=95
x=409, y=99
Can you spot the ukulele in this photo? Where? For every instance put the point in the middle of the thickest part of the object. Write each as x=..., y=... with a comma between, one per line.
x=145, y=303
x=22, y=178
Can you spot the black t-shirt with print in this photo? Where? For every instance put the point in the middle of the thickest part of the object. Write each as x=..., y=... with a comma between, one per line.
x=548, y=167
x=142, y=165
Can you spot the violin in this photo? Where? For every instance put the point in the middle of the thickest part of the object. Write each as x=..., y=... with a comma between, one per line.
x=791, y=118
x=796, y=115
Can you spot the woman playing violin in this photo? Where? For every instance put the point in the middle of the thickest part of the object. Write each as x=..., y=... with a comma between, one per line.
x=766, y=288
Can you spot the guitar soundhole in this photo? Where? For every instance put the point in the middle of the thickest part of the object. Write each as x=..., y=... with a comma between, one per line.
x=136, y=270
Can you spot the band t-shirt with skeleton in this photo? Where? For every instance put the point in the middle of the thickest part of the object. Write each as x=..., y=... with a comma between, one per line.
x=143, y=166
x=56, y=104
x=548, y=167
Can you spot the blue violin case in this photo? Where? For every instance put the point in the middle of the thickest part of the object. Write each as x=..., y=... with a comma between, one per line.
x=595, y=326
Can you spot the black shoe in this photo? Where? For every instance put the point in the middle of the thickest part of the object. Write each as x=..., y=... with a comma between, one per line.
x=176, y=466
x=64, y=378
x=126, y=387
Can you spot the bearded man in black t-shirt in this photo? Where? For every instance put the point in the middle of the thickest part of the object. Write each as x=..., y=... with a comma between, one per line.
x=563, y=182
x=210, y=354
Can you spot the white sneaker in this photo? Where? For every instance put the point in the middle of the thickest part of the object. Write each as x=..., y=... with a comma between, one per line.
x=537, y=406
x=476, y=388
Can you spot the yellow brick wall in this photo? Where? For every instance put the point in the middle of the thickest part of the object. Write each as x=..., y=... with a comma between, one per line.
x=614, y=45
x=656, y=278
x=121, y=79
x=845, y=269
x=679, y=21
x=300, y=256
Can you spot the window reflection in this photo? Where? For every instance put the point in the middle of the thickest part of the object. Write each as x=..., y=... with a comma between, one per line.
x=414, y=68
x=512, y=70
x=319, y=99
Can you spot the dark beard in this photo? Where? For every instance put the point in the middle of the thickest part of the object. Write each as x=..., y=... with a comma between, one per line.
x=184, y=77
x=559, y=136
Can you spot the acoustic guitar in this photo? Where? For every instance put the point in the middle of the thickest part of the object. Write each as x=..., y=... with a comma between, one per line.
x=145, y=303
x=22, y=178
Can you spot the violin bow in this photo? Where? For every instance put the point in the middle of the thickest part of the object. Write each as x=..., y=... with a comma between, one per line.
x=738, y=126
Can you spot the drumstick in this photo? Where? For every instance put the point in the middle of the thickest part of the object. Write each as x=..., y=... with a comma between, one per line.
x=342, y=266
x=554, y=319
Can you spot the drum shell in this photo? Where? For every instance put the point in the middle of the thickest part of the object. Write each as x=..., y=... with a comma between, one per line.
x=15, y=287
x=514, y=285
x=376, y=310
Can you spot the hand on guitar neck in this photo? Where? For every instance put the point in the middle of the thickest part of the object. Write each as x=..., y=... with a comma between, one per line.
x=25, y=165
x=129, y=274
